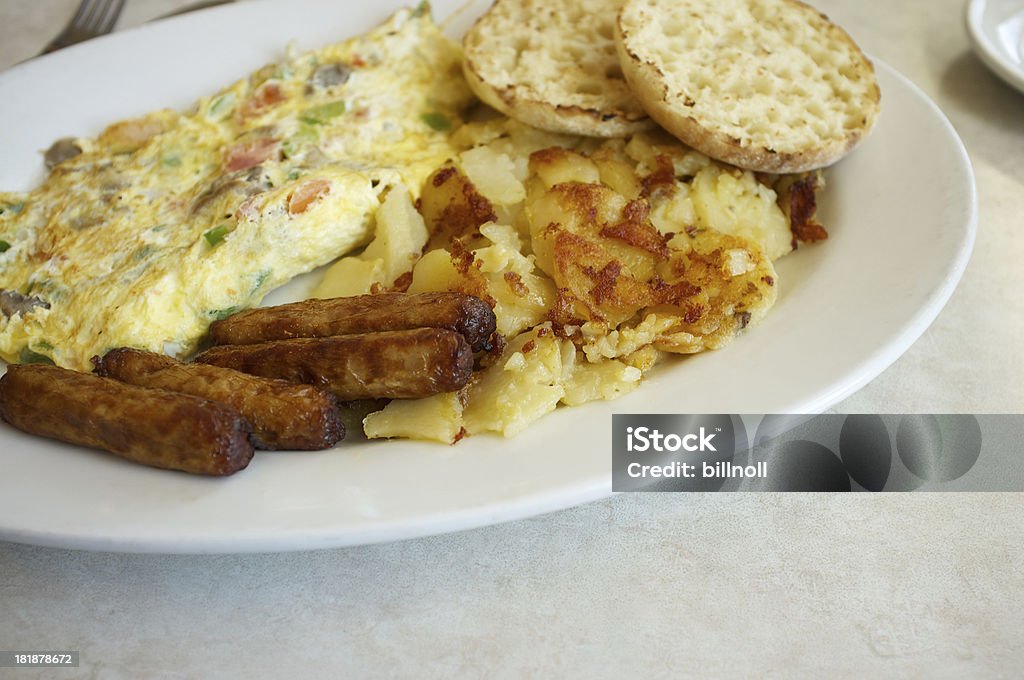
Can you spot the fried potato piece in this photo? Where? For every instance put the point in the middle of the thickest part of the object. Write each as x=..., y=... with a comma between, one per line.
x=452, y=207
x=797, y=196
x=715, y=286
x=613, y=267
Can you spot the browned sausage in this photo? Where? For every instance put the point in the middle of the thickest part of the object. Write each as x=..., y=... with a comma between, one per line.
x=150, y=426
x=389, y=364
x=283, y=415
x=464, y=314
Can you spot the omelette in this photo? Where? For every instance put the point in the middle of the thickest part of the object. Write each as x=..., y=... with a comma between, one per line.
x=145, y=234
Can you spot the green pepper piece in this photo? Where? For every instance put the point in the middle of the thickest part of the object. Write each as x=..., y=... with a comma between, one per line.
x=306, y=135
x=220, y=106
x=437, y=121
x=27, y=356
x=220, y=314
x=217, y=234
x=319, y=115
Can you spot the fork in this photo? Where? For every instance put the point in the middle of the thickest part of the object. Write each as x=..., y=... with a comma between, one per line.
x=92, y=19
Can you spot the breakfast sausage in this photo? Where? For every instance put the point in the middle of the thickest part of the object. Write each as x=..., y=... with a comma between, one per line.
x=465, y=314
x=149, y=426
x=282, y=415
x=389, y=364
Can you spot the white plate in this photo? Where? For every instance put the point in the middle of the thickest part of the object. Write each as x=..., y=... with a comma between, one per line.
x=901, y=212
x=996, y=29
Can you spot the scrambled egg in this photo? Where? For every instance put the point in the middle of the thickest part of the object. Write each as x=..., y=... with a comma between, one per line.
x=147, y=233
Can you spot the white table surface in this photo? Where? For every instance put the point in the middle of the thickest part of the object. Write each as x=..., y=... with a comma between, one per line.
x=925, y=585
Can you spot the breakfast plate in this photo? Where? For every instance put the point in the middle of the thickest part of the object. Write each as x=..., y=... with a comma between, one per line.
x=901, y=212
x=996, y=29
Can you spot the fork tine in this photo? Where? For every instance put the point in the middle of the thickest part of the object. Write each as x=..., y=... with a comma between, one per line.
x=111, y=12
x=82, y=7
x=92, y=18
x=92, y=10
x=119, y=5
x=98, y=17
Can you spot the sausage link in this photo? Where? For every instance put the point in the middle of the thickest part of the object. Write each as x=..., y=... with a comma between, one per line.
x=283, y=415
x=149, y=426
x=390, y=364
x=464, y=314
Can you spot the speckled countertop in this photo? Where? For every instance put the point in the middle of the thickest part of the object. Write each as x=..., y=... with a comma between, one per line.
x=750, y=585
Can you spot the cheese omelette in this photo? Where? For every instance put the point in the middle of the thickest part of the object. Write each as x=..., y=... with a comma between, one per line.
x=144, y=235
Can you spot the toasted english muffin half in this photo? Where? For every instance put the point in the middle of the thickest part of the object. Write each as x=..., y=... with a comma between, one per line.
x=552, y=64
x=767, y=85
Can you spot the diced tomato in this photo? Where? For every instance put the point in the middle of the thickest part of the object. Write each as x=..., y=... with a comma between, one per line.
x=252, y=152
x=306, y=194
x=266, y=95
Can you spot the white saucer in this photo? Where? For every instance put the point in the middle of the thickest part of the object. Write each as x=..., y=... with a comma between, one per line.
x=996, y=29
